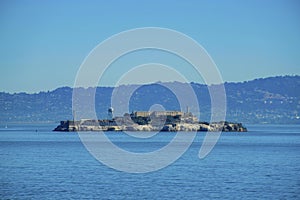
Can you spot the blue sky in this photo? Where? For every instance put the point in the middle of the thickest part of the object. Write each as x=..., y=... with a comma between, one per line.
x=43, y=43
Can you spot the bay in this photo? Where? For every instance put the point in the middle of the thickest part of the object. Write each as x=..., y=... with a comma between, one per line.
x=263, y=163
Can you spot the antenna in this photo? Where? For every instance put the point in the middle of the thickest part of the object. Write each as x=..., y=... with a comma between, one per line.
x=74, y=113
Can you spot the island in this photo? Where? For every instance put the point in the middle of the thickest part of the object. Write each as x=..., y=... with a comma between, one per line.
x=169, y=121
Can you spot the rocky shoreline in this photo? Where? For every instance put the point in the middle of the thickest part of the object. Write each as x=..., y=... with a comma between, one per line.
x=168, y=121
x=109, y=125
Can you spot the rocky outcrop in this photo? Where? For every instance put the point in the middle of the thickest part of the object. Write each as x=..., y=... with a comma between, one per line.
x=95, y=125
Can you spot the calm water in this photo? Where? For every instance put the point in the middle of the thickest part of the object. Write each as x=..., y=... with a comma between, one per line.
x=261, y=164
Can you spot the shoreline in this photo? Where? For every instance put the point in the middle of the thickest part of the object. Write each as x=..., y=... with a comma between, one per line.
x=110, y=125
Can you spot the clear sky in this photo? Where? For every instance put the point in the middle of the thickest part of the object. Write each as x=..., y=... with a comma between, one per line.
x=43, y=43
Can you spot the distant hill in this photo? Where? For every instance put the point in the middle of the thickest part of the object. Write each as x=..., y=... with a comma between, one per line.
x=267, y=100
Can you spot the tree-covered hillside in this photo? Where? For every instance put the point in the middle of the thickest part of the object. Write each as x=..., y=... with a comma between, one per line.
x=268, y=100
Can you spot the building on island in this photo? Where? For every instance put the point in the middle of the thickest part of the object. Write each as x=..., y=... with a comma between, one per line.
x=157, y=113
x=148, y=121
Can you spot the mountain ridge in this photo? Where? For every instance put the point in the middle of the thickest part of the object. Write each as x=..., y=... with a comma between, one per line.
x=263, y=100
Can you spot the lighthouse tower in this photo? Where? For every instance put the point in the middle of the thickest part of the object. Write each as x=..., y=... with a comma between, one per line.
x=110, y=114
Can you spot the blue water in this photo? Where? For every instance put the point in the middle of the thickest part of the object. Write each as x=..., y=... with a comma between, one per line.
x=37, y=163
